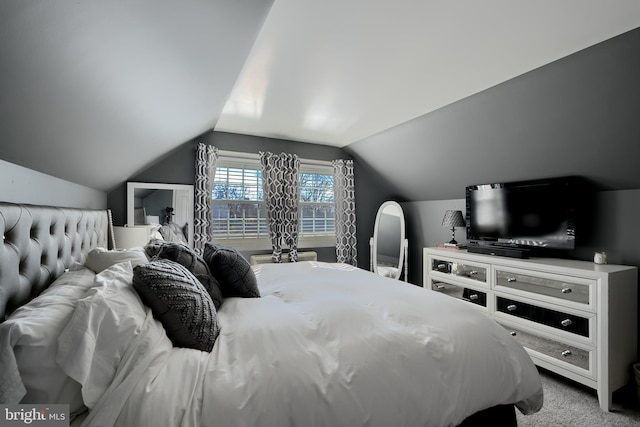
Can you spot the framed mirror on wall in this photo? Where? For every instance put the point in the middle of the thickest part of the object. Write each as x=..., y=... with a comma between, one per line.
x=389, y=245
x=164, y=208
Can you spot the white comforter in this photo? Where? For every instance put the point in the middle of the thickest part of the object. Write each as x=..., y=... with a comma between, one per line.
x=325, y=345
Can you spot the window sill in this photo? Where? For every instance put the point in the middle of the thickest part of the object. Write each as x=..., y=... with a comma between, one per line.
x=250, y=244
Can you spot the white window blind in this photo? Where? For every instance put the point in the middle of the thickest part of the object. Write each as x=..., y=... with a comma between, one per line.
x=239, y=214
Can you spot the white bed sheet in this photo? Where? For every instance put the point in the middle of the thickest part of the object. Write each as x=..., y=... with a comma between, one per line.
x=326, y=345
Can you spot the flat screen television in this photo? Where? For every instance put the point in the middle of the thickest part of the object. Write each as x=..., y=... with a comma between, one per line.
x=529, y=215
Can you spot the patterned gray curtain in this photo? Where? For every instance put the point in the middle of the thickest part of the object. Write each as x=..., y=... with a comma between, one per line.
x=281, y=195
x=344, y=188
x=206, y=157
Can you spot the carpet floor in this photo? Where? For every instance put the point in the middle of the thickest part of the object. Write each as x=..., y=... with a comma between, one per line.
x=568, y=404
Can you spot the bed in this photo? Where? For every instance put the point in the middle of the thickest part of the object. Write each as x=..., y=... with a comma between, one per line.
x=297, y=344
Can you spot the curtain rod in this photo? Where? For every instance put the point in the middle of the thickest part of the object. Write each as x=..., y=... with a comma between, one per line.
x=255, y=156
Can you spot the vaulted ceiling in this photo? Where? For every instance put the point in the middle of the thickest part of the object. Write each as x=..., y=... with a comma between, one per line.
x=94, y=92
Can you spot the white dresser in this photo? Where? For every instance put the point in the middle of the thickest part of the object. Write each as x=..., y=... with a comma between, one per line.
x=575, y=318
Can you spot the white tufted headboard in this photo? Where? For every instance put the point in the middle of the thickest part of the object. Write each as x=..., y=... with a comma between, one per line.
x=40, y=242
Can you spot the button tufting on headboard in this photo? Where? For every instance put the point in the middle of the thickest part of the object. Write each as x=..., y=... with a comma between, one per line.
x=40, y=242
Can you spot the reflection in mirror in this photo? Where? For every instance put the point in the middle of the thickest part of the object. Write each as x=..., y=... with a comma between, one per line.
x=388, y=245
x=167, y=209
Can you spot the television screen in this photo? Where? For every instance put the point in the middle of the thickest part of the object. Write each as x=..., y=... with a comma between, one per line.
x=527, y=213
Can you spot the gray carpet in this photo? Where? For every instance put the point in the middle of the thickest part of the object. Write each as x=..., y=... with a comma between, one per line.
x=568, y=404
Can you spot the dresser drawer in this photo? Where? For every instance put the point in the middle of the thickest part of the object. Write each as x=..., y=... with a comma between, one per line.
x=565, y=353
x=562, y=289
x=460, y=292
x=460, y=269
x=570, y=315
x=556, y=319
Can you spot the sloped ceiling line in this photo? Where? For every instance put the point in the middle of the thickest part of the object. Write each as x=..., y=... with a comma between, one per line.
x=93, y=91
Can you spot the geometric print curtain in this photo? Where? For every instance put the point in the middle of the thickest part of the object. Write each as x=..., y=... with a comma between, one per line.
x=206, y=157
x=344, y=189
x=281, y=194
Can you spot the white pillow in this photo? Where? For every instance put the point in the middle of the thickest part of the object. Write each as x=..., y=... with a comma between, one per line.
x=28, y=345
x=100, y=259
x=104, y=325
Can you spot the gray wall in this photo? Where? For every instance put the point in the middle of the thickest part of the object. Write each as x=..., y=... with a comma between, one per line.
x=576, y=116
x=23, y=185
x=614, y=232
x=179, y=168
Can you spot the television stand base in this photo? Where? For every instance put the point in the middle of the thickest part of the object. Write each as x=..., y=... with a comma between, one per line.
x=499, y=251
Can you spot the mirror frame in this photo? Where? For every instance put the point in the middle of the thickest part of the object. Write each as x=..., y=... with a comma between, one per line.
x=374, y=251
x=132, y=186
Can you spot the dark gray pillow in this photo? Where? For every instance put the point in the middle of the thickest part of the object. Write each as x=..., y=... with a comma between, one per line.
x=232, y=271
x=186, y=256
x=179, y=301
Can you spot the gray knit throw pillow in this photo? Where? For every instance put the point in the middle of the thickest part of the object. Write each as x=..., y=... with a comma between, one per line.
x=186, y=256
x=179, y=301
x=232, y=271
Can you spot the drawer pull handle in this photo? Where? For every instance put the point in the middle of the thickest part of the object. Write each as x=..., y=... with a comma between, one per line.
x=439, y=285
x=513, y=333
x=512, y=307
x=566, y=353
x=566, y=290
x=473, y=273
x=473, y=297
x=511, y=279
x=566, y=322
x=442, y=266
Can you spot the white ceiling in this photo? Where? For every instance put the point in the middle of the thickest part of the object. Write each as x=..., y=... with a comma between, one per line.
x=94, y=92
x=335, y=72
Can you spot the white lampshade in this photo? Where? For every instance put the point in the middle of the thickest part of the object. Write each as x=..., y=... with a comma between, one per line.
x=152, y=219
x=131, y=237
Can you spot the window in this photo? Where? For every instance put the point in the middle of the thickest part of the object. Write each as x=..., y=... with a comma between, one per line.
x=240, y=216
x=317, y=207
x=238, y=203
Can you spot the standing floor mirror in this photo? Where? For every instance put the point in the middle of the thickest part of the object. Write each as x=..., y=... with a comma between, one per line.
x=388, y=245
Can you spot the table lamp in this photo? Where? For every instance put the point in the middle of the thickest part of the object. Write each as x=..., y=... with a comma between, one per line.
x=453, y=219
